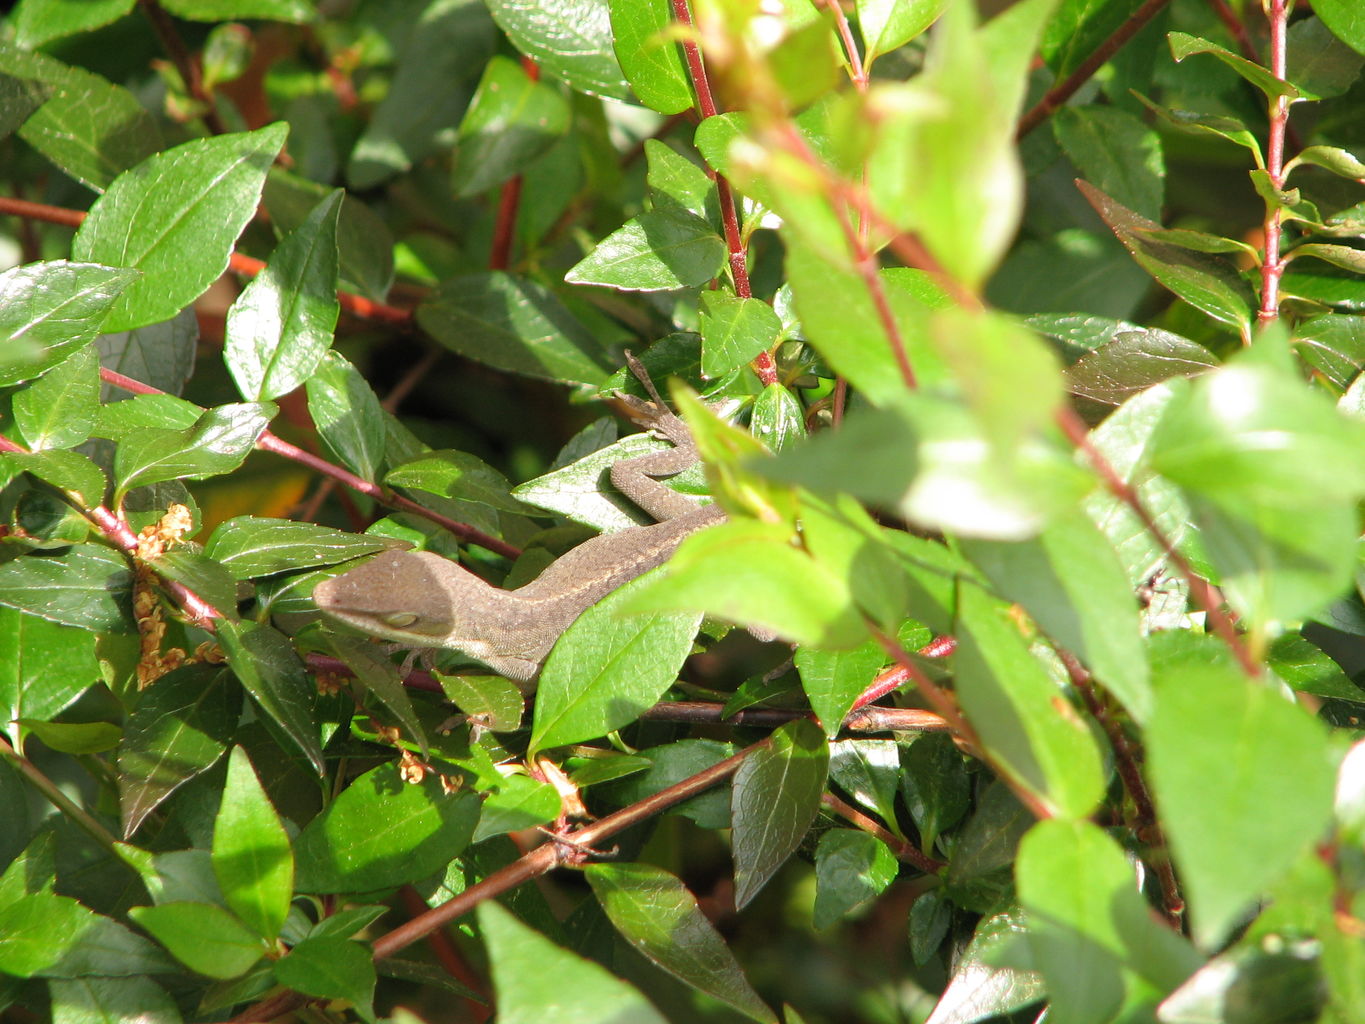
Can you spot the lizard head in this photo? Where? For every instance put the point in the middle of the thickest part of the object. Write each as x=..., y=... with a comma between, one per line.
x=397, y=595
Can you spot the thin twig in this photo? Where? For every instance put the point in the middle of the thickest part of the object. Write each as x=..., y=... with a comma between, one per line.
x=184, y=63
x=900, y=848
x=56, y=797
x=1272, y=266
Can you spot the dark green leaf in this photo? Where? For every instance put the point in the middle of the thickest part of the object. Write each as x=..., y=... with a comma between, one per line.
x=651, y=61
x=1116, y=152
x=217, y=443
x=530, y=973
x=851, y=868
x=980, y=988
x=60, y=408
x=50, y=310
x=935, y=785
x=89, y=586
x=1135, y=360
x=176, y=217
x=382, y=832
x=656, y=251
x=513, y=324
x=282, y=323
x=330, y=968
x=1345, y=19
x=178, y=729
x=252, y=859
x=1208, y=745
x=1077, y=28
x=161, y=355
x=512, y=120
x=1333, y=344
x=776, y=794
x=869, y=771
x=381, y=677
x=675, y=762
x=607, y=668
x=39, y=23
x=734, y=331
x=1280, y=983
x=518, y=803
x=70, y=471
x=111, y=1000
x=347, y=415
x=657, y=915
x=1309, y=669
x=270, y=670
x=1318, y=61
x=202, y=936
x=221, y=10
x=570, y=40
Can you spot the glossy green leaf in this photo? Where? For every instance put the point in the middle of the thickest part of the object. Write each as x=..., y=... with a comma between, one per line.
x=851, y=868
x=980, y=988
x=657, y=915
x=1135, y=360
x=43, y=667
x=675, y=180
x=570, y=40
x=36, y=930
x=869, y=771
x=656, y=251
x=68, y=470
x=1205, y=281
x=221, y=10
x=113, y=1000
x=60, y=408
x=347, y=414
x=1184, y=45
x=50, y=310
x=89, y=586
x=177, y=730
x=1193, y=122
x=651, y=62
x=518, y=803
x=1078, y=27
x=176, y=217
x=1334, y=345
x=202, y=936
x=270, y=670
x=1073, y=585
x=776, y=794
x=530, y=973
x=777, y=418
x=1309, y=669
x=249, y=546
x=1278, y=982
x=75, y=737
x=490, y=701
x=1116, y=152
x=513, y=324
x=457, y=475
x=217, y=443
x=1027, y=726
x=381, y=677
x=282, y=323
x=252, y=859
x=1345, y=19
x=834, y=679
x=1088, y=923
x=608, y=667
x=1225, y=755
x=1333, y=158
x=512, y=119
x=328, y=967
x=36, y=23
x=734, y=331
x=748, y=573
x=382, y=832
x=886, y=25
x=935, y=785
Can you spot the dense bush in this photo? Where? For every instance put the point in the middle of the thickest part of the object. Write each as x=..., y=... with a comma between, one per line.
x=1022, y=348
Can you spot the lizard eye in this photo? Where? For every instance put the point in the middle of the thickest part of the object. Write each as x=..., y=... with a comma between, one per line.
x=400, y=620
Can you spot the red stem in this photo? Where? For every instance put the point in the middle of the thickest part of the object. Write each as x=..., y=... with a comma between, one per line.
x=1272, y=266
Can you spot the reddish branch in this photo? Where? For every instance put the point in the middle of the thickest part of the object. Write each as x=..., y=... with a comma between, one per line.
x=1272, y=266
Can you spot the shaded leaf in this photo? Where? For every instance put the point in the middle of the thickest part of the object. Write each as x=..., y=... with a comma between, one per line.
x=851, y=868
x=270, y=670
x=656, y=251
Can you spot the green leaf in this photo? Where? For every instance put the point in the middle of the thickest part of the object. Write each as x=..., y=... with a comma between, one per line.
x=851, y=868
x=176, y=217
x=300, y=11
x=748, y=573
x=1205, y=281
x=776, y=794
x=675, y=180
x=68, y=470
x=1184, y=45
x=1309, y=669
x=1334, y=345
x=265, y=662
x=252, y=859
x=1343, y=256
x=1225, y=755
x=935, y=785
x=178, y=730
x=50, y=310
x=518, y=803
x=512, y=120
x=887, y=25
x=90, y=586
x=531, y=973
x=652, y=63
x=37, y=930
x=248, y=546
x=570, y=40
x=381, y=677
x=113, y=1000
x=347, y=414
x=1028, y=728
x=328, y=967
x=216, y=444
x=673, y=763
x=202, y=936
x=1333, y=158
x=1135, y=360
x=1345, y=19
x=980, y=987
x=75, y=737
x=44, y=667
x=778, y=418
x=457, y=475
x=1115, y=151
x=1073, y=585
x=734, y=331
x=608, y=667
x=36, y=23
x=1077, y=28
x=1281, y=983
x=60, y=408
x=834, y=679
x=1191, y=122
x=382, y=832
x=656, y=251
x=490, y=701
x=1088, y=922
x=513, y=324
x=161, y=355
x=281, y=325
x=658, y=916
x=869, y=771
